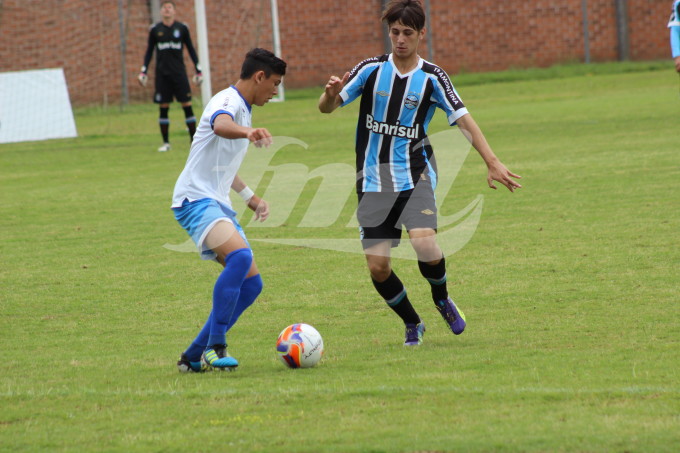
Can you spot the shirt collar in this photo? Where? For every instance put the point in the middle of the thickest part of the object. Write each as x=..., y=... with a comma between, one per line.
x=250, y=109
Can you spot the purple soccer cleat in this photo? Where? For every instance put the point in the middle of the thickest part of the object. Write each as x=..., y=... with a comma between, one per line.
x=452, y=315
x=414, y=334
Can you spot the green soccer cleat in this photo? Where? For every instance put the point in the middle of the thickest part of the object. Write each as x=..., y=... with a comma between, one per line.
x=217, y=358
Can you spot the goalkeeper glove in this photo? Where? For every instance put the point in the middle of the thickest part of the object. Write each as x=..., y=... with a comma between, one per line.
x=198, y=78
x=142, y=77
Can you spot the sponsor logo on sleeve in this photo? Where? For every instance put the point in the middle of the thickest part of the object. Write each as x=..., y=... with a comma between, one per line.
x=446, y=83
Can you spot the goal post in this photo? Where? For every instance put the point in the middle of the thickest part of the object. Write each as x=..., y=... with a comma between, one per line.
x=276, y=39
x=203, y=40
x=203, y=54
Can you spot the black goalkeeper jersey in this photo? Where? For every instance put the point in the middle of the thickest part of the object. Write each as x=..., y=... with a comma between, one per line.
x=169, y=43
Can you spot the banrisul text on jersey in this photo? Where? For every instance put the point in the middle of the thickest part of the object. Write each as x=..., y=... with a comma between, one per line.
x=392, y=149
x=396, y=130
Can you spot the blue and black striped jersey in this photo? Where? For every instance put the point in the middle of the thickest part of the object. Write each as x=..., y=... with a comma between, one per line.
x=674, y=20
x=674, y=25
x=392, y=149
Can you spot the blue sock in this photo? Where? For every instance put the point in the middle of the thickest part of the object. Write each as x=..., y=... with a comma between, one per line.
x=226, y=293
x=251, y=288
x=197, y=347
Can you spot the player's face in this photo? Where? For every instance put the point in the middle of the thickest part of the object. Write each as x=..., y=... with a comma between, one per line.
x=405, y=40
x=267, y=88
x=168, y=11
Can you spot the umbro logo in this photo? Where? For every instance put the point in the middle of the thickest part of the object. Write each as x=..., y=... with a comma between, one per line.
x=427, y=212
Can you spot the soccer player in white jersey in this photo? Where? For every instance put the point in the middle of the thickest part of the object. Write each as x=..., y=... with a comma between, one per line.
x=674, y=25
x=396, y=171
x=203, y=208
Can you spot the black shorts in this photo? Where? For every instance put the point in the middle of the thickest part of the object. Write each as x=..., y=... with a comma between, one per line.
x=172, y=85
x=382, y=214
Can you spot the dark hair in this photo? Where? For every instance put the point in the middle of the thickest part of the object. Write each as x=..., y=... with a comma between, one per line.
x=262, y=60
x=168, y=1
x=408, y=12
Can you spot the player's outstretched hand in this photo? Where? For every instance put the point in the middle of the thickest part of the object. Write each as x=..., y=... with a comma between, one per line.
x=142, y=79
x=260, y=207
x=335, y=85
x=198, y=78
x=260, y=137
x=499, y=172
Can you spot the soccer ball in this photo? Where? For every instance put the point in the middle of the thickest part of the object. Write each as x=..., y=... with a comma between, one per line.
x=299, y=346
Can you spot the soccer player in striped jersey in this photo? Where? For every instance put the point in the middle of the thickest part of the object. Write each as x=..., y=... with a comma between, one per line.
x=202, y=206
x=396, y=170
x=674, y=25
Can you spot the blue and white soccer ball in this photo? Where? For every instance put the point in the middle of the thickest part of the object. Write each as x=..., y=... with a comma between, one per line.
x=299, y=346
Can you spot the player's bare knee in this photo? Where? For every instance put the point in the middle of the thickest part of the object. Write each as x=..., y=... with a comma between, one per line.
x=426, y=248
x=379, y=269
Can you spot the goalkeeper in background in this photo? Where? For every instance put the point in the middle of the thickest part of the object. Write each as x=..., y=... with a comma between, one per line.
x=674, y=25
x=169, y=38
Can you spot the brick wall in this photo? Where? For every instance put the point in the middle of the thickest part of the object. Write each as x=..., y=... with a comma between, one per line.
x=318, y=37
x=649, y=36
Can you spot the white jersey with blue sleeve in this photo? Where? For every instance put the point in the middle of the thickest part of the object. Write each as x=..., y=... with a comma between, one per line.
x=213, y=160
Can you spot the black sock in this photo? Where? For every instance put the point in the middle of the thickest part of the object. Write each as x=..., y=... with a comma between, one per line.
x=436, y=276
x=164, y=122
x=190, y=120
x=394, y=293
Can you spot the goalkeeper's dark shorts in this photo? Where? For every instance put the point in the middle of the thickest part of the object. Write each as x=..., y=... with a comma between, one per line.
x=172, y=86
x=382, y=215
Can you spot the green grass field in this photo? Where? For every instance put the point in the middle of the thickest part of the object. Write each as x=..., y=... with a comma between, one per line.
x=570, y=287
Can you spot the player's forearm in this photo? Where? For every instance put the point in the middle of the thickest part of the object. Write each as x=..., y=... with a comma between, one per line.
x=149, y=53
x=194, y=56
x=188, y=43
x=246, y=193
x=145, y=65
x=474, y=134
x=229, y=129
x=328, y=104
x=238, y=185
